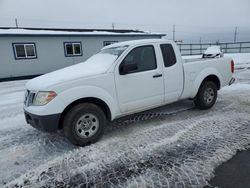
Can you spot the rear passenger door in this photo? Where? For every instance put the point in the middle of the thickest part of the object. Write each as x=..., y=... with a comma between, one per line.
x=173, y=73
x=143, y=87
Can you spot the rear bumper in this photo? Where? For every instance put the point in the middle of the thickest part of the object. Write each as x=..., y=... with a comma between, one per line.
x=47, y=123
x=231, y=81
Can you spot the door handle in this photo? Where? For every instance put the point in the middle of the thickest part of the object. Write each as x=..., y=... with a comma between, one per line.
x=157, y=76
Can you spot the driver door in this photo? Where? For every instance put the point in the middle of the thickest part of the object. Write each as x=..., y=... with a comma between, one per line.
x=141, y=85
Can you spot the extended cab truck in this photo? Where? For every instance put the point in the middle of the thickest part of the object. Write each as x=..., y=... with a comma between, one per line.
x=123, y=78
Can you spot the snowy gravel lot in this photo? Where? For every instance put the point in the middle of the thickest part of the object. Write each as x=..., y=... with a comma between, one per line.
x=173, y=146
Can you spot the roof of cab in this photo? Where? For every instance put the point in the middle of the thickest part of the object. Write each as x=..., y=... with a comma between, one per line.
x=136, y=42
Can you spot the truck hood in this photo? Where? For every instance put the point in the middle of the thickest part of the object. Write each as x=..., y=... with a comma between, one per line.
x=97, y=64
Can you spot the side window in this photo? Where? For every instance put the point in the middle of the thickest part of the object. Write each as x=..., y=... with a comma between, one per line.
x=168, y=55
x=73, y=49
x=143, y=57
x=24, y=51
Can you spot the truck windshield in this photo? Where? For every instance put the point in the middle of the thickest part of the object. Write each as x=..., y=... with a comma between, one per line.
x=117, y=51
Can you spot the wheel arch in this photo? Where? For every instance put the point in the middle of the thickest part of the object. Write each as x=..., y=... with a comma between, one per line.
x=92, y=100
x=213, y=78
x=208, y=74
x=204, y=99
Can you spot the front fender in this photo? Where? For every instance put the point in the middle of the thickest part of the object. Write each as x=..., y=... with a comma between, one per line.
x=76, y=93
x=201, y=77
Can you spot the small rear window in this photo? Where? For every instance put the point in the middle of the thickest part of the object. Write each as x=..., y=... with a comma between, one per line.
x=168, y=55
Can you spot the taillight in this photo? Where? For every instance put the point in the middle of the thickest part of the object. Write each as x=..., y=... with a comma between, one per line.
x=232, y=66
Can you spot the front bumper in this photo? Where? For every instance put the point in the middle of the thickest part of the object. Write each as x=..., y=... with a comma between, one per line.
x=46, y=123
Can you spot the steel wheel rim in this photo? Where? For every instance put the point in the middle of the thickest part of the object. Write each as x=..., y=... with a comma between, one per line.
x=209, y=95
x=87, y=125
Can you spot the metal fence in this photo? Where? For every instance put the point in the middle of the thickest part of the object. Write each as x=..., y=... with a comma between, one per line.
x=197, y=49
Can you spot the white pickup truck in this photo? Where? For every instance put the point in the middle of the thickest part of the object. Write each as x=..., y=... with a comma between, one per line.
x=122, y=79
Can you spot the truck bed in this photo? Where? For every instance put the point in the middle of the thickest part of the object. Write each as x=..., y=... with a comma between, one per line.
x=194, y=69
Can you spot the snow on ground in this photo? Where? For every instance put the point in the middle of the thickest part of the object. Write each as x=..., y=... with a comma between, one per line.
x=172, y=146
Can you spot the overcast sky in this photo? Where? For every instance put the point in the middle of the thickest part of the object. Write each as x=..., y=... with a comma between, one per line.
x=209, y=20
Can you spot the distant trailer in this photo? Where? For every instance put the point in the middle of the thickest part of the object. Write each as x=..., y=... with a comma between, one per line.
x=29, y=52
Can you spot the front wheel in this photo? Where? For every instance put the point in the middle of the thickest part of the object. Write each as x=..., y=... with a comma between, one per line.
x=84, y=124
x=206, y=96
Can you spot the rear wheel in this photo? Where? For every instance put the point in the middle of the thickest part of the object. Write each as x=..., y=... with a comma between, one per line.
x=84, y=124
x=206, y=96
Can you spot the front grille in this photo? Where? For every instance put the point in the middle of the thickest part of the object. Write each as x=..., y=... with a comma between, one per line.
x=29, y=97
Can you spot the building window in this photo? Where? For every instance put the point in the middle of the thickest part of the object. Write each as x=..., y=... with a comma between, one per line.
x=24, y=51
x=106, y=43
x=73, y=49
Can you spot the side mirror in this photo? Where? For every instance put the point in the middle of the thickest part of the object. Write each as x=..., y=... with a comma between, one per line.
x=126, y=68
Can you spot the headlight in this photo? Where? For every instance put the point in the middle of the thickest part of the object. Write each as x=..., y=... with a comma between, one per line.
x=43, y=98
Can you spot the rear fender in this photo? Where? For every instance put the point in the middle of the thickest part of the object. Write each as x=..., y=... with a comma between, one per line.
x=201, y=77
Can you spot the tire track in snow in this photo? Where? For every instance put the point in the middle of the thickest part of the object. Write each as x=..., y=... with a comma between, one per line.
x=181, y=153
x=23, y=153
x=41, y=144
x=50, y=145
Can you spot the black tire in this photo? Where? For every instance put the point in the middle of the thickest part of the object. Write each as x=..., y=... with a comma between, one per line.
x=206, y=96
x=77, y=123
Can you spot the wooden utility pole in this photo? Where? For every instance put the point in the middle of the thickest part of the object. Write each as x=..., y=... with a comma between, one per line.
x=16, y=22
x=235, y=34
